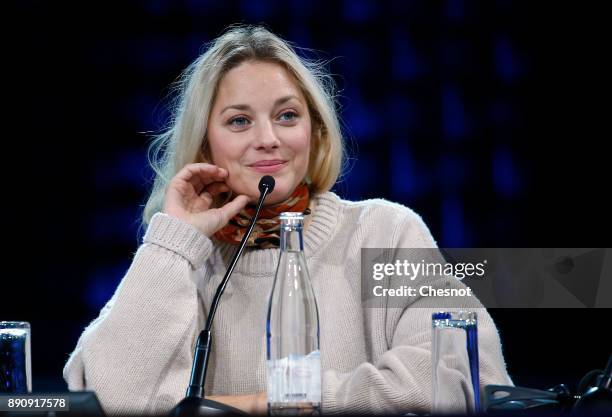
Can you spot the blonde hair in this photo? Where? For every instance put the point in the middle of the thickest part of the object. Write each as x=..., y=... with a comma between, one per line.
x=184, y=141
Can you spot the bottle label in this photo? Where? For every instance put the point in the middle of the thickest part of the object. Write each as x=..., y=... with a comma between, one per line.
x=295, y=379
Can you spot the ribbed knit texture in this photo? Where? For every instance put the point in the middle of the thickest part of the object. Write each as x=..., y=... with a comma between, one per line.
x=137, y=354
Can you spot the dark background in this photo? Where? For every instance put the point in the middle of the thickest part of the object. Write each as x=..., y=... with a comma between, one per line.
x=488, y=118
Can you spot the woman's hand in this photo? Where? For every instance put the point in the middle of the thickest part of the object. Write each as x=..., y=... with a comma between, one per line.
x=255, y=404
x=190, y=194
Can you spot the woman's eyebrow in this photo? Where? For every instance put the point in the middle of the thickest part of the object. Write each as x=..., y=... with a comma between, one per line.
x=285, y=99
x=278, y=102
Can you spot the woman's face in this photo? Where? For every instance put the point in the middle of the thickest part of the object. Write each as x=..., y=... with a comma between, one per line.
x=260, y=125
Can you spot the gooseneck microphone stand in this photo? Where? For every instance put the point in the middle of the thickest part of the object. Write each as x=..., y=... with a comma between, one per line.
x=194, y=404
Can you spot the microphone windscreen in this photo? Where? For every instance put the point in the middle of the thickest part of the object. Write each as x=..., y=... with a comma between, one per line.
x=267, y=181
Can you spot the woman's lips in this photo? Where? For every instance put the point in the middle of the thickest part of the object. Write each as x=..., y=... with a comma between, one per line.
x=268, y=167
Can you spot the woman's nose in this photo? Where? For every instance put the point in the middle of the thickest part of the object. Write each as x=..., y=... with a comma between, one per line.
x=266, y=137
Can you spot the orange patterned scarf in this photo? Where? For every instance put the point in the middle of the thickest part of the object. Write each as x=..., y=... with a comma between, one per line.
x=266, y=232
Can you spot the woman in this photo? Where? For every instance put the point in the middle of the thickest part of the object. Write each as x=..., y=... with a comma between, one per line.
x=250, y=107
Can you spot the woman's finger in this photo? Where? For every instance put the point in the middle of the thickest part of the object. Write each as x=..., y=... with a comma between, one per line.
x=233, y=207
x=207, y=197
x=201, y=174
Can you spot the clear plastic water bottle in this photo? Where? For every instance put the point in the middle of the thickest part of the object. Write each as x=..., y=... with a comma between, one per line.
x=294, y=360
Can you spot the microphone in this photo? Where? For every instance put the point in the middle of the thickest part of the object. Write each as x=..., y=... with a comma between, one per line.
x=267, y=181
x=194, y=404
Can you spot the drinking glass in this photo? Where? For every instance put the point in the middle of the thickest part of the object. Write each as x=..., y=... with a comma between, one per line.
x=15, y=359
x=455, y=360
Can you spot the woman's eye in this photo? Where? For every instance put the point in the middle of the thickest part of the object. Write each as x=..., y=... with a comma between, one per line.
x=239, y=121
x=288, y=116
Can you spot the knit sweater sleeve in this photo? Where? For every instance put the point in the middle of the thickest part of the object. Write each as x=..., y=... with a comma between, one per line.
x=400, y=380
x=132, y=369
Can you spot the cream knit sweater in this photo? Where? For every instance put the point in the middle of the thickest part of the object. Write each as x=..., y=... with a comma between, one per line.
x=137, y=354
